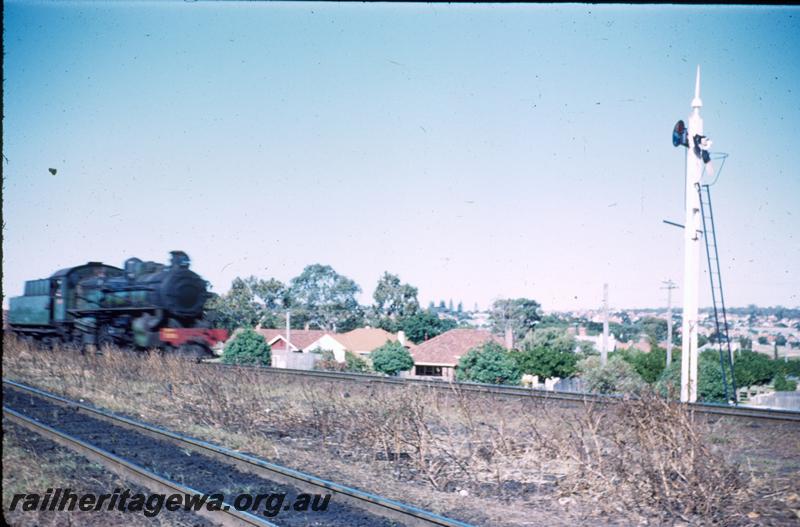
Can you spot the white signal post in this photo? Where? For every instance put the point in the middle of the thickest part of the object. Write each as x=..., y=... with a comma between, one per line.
x=691, y=261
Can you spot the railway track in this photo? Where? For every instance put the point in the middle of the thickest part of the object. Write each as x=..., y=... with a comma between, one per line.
x=517, y=391
x=383, y=511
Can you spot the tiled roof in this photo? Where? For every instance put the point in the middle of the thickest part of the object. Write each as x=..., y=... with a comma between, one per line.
x=448, y=347
x=365, y=339
x=300, y=338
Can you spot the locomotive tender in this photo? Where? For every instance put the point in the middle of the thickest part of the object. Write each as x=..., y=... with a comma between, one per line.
x=144, y=304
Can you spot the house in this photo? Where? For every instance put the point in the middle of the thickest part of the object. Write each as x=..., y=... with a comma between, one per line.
x=596, y=340
x=438, y=357
x=289, y=354
x=299, y=339
x=361, y=341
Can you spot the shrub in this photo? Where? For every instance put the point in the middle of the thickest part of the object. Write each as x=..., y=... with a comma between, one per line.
x=248, y=347
x=391, y=358
x=489, y=363
x=781, y=384
x=328, y=361
x=354, y=363
x=617, y=376
x=789, y=367
x=652, y=460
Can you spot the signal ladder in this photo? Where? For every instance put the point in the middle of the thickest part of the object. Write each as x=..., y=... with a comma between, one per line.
x=717, y=296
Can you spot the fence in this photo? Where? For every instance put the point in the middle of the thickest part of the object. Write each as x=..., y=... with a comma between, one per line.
x=294, y=360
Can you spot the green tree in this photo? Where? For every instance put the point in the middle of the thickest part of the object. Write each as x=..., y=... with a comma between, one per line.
x=249, y=302
x=391, y=358
x=745, y=343
x=586, y=348
x=625, y=332
x=275, y=299
x=488, y=363
x=709, y=382
x=393, y=302
x=616, y=376
x=753, y=368
x=555, y=339
x=425, y=325
x=547, y=352
x=545, y=362
x=326, y=299
x=654, y=328
x=650, y=365
x=521, y=314
x=248, y=347
x=236, y=308
x=212, y=312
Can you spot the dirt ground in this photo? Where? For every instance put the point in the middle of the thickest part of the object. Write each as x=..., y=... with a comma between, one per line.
x=486, y=460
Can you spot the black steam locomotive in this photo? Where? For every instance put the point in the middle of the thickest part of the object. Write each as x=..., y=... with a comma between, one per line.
x=145, y=304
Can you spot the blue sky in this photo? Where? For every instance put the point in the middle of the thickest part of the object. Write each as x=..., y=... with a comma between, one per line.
x=477, y=151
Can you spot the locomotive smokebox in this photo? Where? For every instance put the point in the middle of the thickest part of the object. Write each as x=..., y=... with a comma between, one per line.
x=182, y=292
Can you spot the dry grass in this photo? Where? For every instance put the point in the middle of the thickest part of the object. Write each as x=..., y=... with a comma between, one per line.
x=644, y=461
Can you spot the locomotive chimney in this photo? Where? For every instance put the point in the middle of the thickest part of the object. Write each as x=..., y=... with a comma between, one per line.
x=179, y=259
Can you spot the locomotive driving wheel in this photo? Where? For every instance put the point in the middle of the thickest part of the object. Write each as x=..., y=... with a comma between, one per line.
x=104, y=337
x=194, y=351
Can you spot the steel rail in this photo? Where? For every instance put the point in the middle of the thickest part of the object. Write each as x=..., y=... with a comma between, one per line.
x=385, y=507
x=227, y=515
x=517, y=391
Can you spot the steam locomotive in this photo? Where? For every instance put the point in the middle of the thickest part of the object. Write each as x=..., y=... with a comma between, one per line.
x=144, y=305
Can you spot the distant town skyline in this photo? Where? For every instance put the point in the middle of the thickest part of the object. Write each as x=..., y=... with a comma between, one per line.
x=479, y=152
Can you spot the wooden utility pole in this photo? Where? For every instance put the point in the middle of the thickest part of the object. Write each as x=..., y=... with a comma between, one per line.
x=604, y=351
x=669, y=285
x=288, y=329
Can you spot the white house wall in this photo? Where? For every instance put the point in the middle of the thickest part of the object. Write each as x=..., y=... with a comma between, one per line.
x=327, y=342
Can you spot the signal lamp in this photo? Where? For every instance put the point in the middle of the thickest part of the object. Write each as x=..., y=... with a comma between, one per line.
x=679, y=134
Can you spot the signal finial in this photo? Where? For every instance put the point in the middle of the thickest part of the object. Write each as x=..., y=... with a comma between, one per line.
x=696, y=102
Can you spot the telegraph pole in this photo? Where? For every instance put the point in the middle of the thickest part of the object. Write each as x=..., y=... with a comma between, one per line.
x=604, y=351
x=691, y=261
x=669, y=286
x=288, y=329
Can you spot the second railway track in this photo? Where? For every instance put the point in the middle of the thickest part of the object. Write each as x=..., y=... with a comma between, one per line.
x=168, y=462
x=740, y=411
